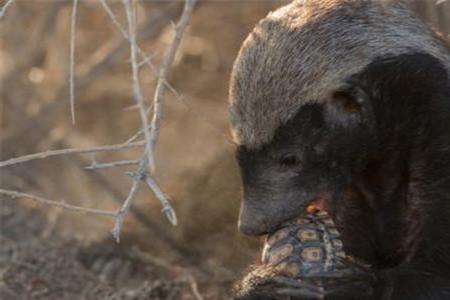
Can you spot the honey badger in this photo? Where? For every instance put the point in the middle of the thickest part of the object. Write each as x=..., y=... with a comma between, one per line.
x=346, y=104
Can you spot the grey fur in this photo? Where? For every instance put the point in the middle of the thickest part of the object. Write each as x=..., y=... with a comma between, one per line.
x=304, y=51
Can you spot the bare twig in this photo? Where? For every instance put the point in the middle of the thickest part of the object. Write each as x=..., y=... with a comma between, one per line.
x=95, y=165
x=72, y=59
x=50, y=153
x=102, y=181
x=146, y=59
x=95, y=67
x=114, y=19
x=135, y=136
x=169, y=56
x=5, y=7
x=137, y=92
x=141, y=173
x=149, y=131
x=167, y=207
x=124, y=209
x=61, y=204
x=194, y=287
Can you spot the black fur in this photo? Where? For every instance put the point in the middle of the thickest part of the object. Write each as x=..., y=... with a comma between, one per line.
x=379, y=148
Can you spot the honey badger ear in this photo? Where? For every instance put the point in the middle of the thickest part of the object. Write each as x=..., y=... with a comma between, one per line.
x=347, y=106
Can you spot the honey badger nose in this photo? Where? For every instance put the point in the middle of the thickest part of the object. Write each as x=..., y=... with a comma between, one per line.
x=251, y=222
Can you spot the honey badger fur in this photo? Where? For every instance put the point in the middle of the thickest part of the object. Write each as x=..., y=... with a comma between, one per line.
x=347, y=103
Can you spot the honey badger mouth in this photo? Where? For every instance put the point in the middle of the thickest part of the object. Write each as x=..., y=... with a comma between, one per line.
x=319, y=203
x=315, y=206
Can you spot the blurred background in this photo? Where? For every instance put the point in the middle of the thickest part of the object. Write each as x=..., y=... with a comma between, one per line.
x=48, y=253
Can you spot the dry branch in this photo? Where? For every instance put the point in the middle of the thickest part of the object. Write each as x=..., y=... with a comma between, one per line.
x=150, y=132
x=61, y=204
x=150, y=138
x=137, y=92
x=98, y=64
x=5, y=7
x=167, y=207
x=124, y=209
x=95, y=165
x=73, y=24
x=145, y=58
x=50, y=153
x=169, y=56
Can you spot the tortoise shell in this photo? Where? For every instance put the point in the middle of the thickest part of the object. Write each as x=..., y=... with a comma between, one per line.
x=309, y=246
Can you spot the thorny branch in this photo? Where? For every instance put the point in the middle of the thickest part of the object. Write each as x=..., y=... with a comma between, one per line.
x=146, y=60
x=137, y=92
x=95, y=165
x=125, y=207
x=169, y=56
x=72, y=59
x=5, y=7
x=50, y=153
x=62, y=204
x=96, y=65
x=150, y=131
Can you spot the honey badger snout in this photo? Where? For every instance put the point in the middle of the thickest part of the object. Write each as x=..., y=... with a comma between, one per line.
x=251, y=220
x=267, y=212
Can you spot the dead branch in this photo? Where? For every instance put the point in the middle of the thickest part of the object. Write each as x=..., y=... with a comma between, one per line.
x=147, y=158
x=5, y=7
x=151, y=140
x=137, y=92
x=50, y=153
x=125, y=208
x=145, y=58
x=98, y=64
x=167, y=207
x=72, y=59
x=95, y=165
x=61, y=204
x=169, y=56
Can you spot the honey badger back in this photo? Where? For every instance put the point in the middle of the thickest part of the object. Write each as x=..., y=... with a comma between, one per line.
x=347, y=103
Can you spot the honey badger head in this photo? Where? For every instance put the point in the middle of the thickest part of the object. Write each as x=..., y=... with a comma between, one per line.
x=312, y=103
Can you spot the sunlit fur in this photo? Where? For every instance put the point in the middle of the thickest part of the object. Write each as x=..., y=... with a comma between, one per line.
x=303, y=51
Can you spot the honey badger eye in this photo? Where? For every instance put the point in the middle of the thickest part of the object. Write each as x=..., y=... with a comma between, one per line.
x=289, y=160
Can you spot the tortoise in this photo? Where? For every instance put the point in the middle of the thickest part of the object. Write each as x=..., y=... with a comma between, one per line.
x=305, y=259
x=311, y=245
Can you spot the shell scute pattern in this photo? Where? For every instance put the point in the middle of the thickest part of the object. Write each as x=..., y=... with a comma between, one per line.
x=308, y=246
